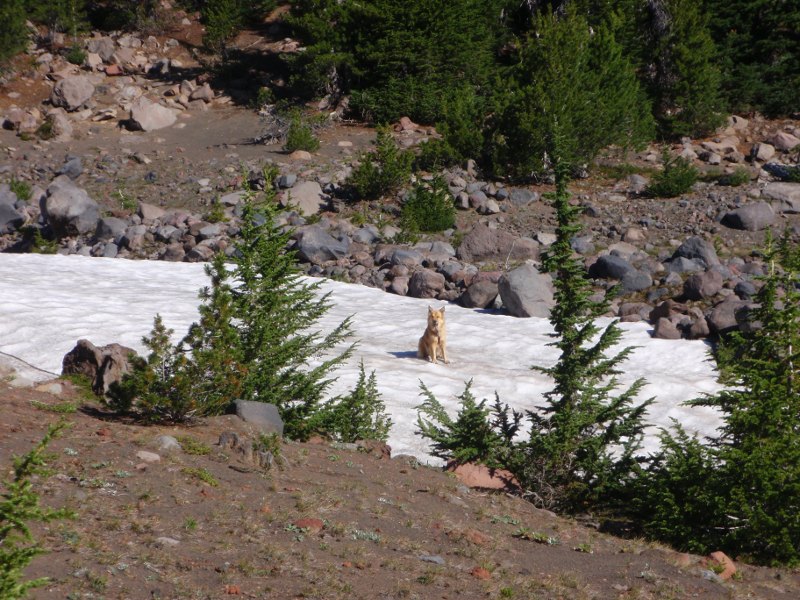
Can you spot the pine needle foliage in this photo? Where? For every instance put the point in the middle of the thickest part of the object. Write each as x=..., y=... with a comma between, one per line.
x=583, y=441
x=429, y=207
x=19, y=506
x=360, y=415
x=751, y=470
x=273, y=312
x=382, y=171
x=470, y=437
x=13, y=34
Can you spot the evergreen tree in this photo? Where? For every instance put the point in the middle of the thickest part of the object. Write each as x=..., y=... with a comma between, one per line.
x=274, y=312
x=470, y=437
x=582, y=446
x=573, y=79
x=19, y=507
x=394, y=58
x=686, y=82
x=360, y=415
x=741, y=491
x=13, y=33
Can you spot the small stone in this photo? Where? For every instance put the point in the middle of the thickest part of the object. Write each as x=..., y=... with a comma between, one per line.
x=432, y=558
x=148, y=457
x=311, y=526
x=481, y=573
x=167, y=542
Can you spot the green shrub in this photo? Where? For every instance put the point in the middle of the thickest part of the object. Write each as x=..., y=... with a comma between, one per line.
x=360, y=415
x=677, y=177
x=216, y=213
x=300, y=135
x=20, y=188
x=382, y=171
x=76, y=55
x=429, y=207
x=470, y=437
x=740, y=176
x=19, y=506
x=222, y=19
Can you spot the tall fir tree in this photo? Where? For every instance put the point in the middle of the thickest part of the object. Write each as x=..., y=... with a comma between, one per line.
x=13, y=33
x=583, y=443
x=571, y=78
x=685, y=80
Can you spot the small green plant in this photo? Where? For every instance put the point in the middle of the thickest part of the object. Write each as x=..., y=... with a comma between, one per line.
x=370, y=536
x=264, y=97
x=193, y=446
x=45, y=131
x=63, y=408
x=740, y=176
x=360, y=415
x=506, y=592
x=190, y=524
x=523, y=533
x=125, y=201
x=678, y=177
x=382, y=171
x=37, y=243
x=584, y=548
x=216, y=213
x=300, y=135
x=429, y=207
x=505, y=519
x=202, y=474
x=19, y=506
x=76, y=55
x=21, y=189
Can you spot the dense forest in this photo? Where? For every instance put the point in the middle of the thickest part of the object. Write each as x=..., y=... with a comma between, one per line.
x=496, y=76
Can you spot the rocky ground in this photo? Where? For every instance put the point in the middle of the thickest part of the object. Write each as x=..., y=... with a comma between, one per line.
x=169, y=512
x=142, y=150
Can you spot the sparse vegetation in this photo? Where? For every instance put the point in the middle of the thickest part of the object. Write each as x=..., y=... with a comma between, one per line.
x=19, y=507
x=382, y=171
x=360, y=415
x=429, y=207
x=677, y=177
x=300, y=135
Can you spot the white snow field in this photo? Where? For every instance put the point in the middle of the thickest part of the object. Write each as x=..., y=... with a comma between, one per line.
x=47, y=303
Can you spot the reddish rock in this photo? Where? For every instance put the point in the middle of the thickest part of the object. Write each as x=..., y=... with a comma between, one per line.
x=722, y=559
x=480, y=573
x=113, y=70
x=481, y=476
x=312, y=526
x=474, y=536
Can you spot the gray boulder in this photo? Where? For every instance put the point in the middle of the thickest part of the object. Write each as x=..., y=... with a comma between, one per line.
x=10, y=218
x=69, y=209
x=722, y=318
x=702, y=285
x=104, y=47
x=696, y=248
x=483, y=243
x=149, y=116
x=609, y=266
x=666, y=330
x=751, y=217
x=785, y=196
x=103, y=365
x=110, y=228
x=315, y=245
x=72, y=92
x=685, y=265
x=636, y=281
x=480, y=294
x=426, y=284
x=260, y=414
x=72, y=168
x=306, y=196
x=522, y=196
x=526, y=293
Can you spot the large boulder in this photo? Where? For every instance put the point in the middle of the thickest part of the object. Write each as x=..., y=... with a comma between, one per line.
x=10, y=218
x=306, y=197
x=69, y=209
x=480, y=294
x=262, y=415
x=72, y=92
x=102, y=46
x=110, y=228
x=526, y=292
x=426, y=284
x=784, y=140
x=103, y=366
x=609, y=266
x=696, y=248
x=315, y=245
x=785, y=196
x=751, y=217
x=702, y=285
x=483, y=243
x=722, y=318
x=149, y=116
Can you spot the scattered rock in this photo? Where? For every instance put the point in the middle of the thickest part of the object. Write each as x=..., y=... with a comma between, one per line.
x=148, y=457
x=261, y=414
x=483, y=477
x=526, y=292
x=72, y=92
x=149, y=116
x=69, y=209
x=751, y=217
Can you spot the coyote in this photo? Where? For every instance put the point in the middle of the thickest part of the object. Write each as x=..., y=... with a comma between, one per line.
x=433, y=341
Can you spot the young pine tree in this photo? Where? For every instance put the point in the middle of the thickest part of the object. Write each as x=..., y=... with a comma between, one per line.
x=274, y=312
x=583, y=443
x=360, y=415
x=19, y=506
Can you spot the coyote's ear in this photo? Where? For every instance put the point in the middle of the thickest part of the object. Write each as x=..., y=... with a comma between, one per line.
x=441, y=310
x=430, y=308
